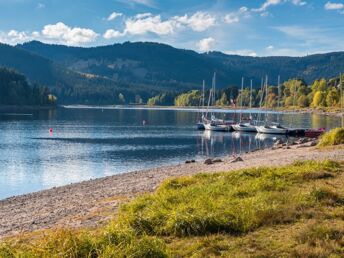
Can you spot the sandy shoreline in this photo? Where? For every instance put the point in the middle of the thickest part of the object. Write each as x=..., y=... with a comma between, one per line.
x=90, y=203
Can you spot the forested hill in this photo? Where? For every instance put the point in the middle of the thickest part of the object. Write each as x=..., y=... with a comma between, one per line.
x=15, y=90
x=163, y=65
x=68, y=85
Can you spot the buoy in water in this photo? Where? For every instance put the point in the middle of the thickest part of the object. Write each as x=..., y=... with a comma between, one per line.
x=50, y=130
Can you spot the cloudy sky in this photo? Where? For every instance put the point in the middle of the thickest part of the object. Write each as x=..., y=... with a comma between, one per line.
x=252, y=27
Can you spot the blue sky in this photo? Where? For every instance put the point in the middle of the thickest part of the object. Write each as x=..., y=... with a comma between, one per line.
x=256, y=27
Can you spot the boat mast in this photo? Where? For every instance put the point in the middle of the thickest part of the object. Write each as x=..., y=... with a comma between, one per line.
x=341, y=97
x=242, y=90
x=251, y=100
x=261, y=99
x=203, y=88
x=266, y=99
x=278, y=98
x=212, y=95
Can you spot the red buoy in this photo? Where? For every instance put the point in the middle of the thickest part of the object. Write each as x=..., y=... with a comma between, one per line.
x=50, y=130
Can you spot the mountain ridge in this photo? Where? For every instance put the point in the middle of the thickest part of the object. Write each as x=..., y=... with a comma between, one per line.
x=148, y=62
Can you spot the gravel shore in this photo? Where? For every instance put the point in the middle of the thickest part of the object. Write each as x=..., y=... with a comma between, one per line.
x=90, y=203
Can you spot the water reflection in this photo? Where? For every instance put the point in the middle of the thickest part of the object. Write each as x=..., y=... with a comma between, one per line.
x=221, y=143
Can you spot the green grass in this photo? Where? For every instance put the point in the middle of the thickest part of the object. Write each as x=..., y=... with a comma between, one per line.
x=333, y=137
x=290, y=211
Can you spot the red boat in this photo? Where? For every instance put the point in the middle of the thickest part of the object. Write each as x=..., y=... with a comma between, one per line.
x=314, y=133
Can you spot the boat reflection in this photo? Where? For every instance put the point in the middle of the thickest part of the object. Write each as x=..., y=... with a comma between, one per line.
x=214, y=144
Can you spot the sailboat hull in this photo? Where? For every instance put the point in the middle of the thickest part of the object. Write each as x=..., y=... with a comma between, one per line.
x=219, y=128
x=244, y=128
x=271, y=130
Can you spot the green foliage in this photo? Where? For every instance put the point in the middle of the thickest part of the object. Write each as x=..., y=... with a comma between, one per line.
x=319, y=99
x=15, y=90
x=163, y=99
x=333, y=137
x=332, y=98
x=191, y=98
x=302, y=101
x=245, y=200
x=223, y=101
x=207, y=215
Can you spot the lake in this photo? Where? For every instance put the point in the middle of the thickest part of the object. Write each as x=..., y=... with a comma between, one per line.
x=87, y=143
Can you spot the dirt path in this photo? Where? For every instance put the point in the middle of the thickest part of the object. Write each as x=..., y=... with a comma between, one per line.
x=92, y=202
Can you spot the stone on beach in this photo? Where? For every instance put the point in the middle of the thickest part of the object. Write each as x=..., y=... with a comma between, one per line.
x=237, y=159
x=208, y=161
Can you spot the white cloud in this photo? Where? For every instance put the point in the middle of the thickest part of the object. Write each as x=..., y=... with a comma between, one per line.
x=14, y=37
x=113, y=16
x=231, y=18
x=110, y=34
x=333, y=6
x=144, y=23
x=267, y=4
x=199, y=21
x=153, y=24
x=299, y=2
x=235, y=17
x=205, y=45
x=71, y=36
x=269, y=47
x=142, y=15
x=241, y=52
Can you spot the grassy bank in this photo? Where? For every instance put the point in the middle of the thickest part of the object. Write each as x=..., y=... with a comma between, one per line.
x=296, y=210
x=332, y=138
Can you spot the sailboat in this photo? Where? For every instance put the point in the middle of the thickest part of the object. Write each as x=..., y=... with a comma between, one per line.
x=200, y=124
x=245, y=126
x=272, y=128
x=215, y=124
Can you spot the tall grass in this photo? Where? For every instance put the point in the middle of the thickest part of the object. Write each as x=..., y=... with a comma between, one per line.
x=231, y=204
x=333, y=137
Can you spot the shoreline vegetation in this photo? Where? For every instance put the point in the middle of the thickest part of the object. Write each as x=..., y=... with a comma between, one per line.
x=227, y=208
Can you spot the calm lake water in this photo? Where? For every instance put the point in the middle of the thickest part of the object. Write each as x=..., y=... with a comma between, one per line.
x=90, y=143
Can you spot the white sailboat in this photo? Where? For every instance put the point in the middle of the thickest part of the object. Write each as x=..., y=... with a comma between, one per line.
x=215, y=124
x=272, y=128
x=245, y=126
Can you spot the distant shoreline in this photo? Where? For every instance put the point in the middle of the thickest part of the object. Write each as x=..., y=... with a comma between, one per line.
x=336, y=113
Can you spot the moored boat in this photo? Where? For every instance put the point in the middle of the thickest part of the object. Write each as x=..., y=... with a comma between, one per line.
x=272, y=129
x=244, y=127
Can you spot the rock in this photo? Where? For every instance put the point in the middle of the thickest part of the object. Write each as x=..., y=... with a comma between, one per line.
x=313, y=143
x=187, y=161
x=237, y=159
x=208, y=161
x=217, y=160
x=193, y=161
x=278, y=142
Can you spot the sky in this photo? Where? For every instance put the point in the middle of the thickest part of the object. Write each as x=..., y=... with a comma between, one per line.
x=252, y=27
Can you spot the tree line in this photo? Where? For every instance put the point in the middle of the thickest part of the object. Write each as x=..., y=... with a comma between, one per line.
x=292, y=93
x=16, y=90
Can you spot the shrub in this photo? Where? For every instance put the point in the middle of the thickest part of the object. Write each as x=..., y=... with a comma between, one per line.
x=333, y=137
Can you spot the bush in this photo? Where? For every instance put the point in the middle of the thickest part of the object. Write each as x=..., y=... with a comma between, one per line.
x=333, y=137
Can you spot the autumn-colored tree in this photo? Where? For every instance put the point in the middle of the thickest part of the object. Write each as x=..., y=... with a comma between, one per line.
x=319, y=99
x=302, y=101
x=332, y=98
